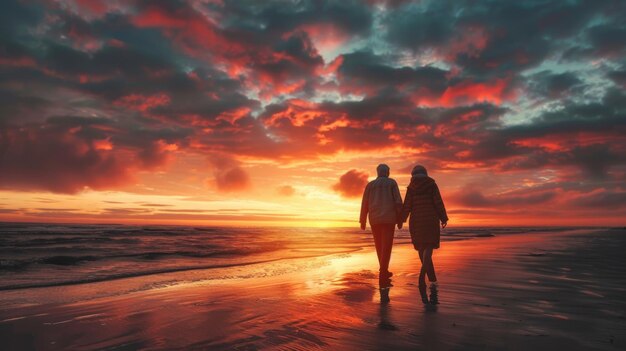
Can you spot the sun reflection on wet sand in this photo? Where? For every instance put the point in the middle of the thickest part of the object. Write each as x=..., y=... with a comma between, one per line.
x=486, y=295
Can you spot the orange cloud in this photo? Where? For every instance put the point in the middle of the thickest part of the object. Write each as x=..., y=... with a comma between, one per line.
x=228, y=175
x=467, y=92
x=143, y=103
x=351, y=184
x=232, y=180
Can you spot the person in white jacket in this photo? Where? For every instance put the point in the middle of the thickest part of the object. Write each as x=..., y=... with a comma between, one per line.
x=383, y=203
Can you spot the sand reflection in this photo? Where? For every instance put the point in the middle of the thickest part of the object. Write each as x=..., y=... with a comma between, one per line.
x=335, y=302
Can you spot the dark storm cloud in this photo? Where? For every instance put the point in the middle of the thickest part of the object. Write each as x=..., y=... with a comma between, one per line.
x=605, y=115
x=554, y=85
x=17, y=16
x=369, y=73
x=602, y=40
x=351, y=16
x=127, y=87
x=270, y=43
x=604, y=199
x=68, y=153
x=586, y=136
x=608, y=39
x=499, y=37
x=595, y=160
x=110, y=60
x=422, y=26
x=618, y=77
x=14, y=103
x=474, y=198
x=300, y=48
x=41, y=159
x=578, y=195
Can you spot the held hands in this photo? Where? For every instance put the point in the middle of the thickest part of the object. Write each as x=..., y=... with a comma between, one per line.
x=444, y=224
x=362, y=225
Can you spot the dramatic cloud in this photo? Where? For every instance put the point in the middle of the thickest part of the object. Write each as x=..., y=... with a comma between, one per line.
x=138, y=95
x=229, y=176
x=351, y=184
x=232, y=179
x=67, y=154
x=63, y=162
x=474, y=198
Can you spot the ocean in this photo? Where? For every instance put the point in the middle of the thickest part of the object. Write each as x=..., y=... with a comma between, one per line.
x=40, y=255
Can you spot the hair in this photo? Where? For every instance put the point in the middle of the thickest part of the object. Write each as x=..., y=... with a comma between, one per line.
x=419, y=169
x=382, y=170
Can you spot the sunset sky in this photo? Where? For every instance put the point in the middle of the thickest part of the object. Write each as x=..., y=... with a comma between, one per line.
x=277, y=112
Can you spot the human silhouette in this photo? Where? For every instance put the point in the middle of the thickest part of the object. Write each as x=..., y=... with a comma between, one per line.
x=382, y=203
x=424, y=204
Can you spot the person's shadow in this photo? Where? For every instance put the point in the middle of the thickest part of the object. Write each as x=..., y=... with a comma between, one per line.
x=385, y=323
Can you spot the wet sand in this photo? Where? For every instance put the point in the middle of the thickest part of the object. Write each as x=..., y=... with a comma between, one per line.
x=515, y=292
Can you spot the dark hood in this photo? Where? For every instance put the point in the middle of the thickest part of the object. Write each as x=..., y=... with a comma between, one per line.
x=421, y=184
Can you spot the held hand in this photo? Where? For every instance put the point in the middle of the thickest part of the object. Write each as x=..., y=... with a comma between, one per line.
x=444, y=224
x=399, y=225
x=362, y=225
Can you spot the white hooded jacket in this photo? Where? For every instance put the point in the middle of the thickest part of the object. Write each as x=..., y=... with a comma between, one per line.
x=381, y=200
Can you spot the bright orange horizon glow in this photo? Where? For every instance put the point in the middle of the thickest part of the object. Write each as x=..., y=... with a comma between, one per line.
x=310, y=201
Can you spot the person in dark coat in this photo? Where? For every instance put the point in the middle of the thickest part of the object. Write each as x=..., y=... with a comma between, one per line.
x=424, y=203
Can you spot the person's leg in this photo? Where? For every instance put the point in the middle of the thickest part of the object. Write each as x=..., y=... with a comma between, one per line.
x=431, y=268
x=428, y=256
x=430, y=272
x=426, y=265
x=386, y=246
x=423, y=294
x=382, y=234
x=422, y=276
x=426, y=262
x=376, y=231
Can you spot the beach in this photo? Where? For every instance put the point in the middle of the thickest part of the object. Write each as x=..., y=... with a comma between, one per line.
x=532, y=290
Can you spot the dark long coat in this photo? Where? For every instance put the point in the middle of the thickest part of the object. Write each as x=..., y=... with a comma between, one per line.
x=424, y=203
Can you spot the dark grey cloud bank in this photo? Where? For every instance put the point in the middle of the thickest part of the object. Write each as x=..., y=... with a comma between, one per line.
x=89, y=98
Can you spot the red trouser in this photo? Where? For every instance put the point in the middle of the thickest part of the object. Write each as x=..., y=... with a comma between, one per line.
x=383, y=238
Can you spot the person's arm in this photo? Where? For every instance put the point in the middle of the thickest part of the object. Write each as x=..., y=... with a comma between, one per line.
x=407, y=206
x=364, y=207
x=440, y=207
x=397, y=198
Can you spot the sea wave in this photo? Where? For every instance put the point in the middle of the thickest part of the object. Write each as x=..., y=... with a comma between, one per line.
x=132, y=274
x=37, y=255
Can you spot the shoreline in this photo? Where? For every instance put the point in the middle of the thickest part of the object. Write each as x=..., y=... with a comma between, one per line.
x=494, y=293
x=99, y=261
x=141, y=281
